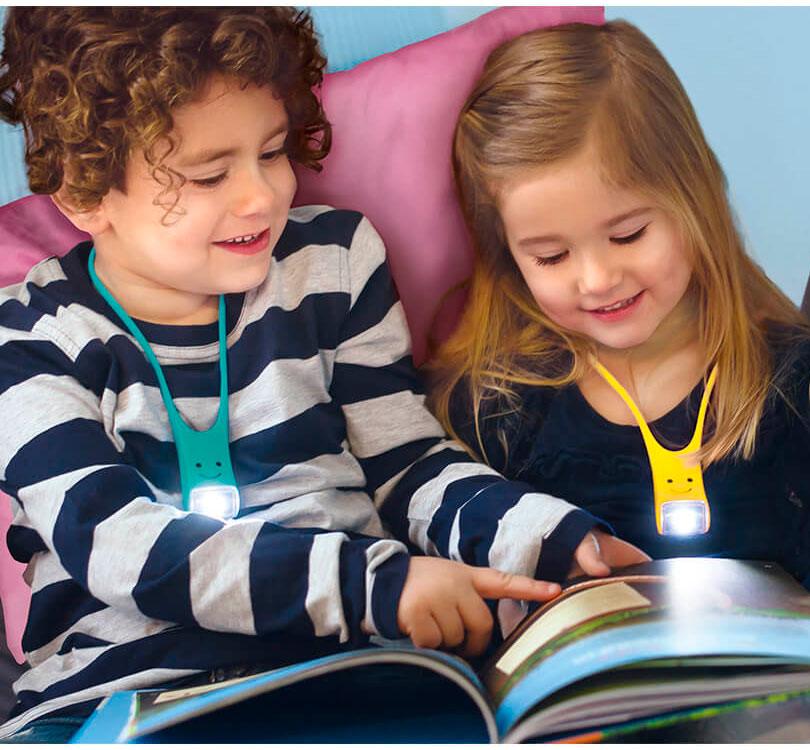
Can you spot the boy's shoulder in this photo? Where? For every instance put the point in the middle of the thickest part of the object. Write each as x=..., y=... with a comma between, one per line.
x=55, y=302
x=318, y=225
x=35, y=293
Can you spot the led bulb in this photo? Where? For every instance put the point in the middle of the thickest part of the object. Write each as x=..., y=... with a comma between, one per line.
x=215, y=500
x=684, y=517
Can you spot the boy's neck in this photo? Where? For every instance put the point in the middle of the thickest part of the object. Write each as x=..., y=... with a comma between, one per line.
x=144, y=300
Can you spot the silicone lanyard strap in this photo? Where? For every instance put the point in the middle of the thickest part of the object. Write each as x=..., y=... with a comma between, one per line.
x=203, y=455
x=674, y=480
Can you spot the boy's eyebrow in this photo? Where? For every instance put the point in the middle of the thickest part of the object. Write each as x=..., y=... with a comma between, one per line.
x=212, y=154
x=606, y=225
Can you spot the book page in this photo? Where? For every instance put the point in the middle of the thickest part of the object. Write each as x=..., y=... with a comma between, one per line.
x=582, y=606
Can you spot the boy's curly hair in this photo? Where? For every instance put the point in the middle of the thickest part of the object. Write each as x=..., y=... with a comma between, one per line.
x=91, y=84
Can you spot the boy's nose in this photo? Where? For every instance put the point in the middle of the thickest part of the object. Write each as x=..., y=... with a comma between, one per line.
x=254, y=194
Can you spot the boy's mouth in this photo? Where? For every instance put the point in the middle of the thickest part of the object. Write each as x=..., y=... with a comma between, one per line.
x=246, y=244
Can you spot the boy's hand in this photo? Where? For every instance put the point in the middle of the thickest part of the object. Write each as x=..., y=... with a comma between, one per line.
x=599, y=551
x=442, y=603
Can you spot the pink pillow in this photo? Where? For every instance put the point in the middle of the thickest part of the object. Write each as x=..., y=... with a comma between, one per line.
x=393, y=119
x=32, y=229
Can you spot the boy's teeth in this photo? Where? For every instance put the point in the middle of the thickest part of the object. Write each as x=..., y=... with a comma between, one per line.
x=243, y=239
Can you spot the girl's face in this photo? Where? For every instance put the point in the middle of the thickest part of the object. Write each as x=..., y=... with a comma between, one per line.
x=599, y=261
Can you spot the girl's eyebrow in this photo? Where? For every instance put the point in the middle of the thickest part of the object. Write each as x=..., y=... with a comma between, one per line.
x=539, y=240
x=207, y=155
x=626, y=215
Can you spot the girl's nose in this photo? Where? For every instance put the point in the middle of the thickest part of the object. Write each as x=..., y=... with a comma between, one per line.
x=597, y=276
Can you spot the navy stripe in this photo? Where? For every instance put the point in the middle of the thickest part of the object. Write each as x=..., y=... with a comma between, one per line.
x=185, y=648
x=389, y=580
x=328, y=228
x=457, y=494
x=260, y=455
x=90, y=501
x=279, y=580
x=81, y=640
x=372, y=305
x=380, y=468
x=56, y=608
x=163, y=590
x=155, y=459
x=395, y=509
x=25, y=359
x=255, y=457
x=478, y=521
x=62, y=448
x=24, y=543
x=297, y=334
x=353, y=584
x=353, y=383
x=19, y=317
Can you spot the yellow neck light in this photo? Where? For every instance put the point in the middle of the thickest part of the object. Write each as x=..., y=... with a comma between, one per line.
x=681, y=505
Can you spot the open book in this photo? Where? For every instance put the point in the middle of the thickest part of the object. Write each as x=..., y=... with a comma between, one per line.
x=662, y=643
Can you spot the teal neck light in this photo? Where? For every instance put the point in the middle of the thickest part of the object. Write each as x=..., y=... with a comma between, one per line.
x=206, y=474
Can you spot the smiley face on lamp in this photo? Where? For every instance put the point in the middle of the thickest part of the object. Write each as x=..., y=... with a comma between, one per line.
x=681, y=506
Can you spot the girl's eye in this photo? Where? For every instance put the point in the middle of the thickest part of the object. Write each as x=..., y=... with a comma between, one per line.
x=628, y=239
x=210, y=181
x=550, y=260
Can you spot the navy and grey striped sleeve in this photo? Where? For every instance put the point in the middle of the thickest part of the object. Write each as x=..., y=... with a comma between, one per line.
x=429, y=491
x=84, y=501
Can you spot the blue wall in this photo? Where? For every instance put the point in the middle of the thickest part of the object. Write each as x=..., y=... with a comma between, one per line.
x=747, y=71
x=745, y=68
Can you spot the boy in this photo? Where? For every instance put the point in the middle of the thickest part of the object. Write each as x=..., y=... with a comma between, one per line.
x=167, y=134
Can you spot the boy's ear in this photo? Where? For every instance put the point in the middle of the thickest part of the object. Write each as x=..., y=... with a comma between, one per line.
x=92, y=220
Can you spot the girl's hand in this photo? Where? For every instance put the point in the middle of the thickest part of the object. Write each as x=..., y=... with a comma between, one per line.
x=599, y=551
x=442, y=603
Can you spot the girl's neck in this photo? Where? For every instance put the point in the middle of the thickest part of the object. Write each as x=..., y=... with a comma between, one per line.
x=658, y=374
x=676, y=337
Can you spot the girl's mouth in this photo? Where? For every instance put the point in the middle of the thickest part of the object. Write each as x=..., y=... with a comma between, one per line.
x=618, y=310
x=247, y=244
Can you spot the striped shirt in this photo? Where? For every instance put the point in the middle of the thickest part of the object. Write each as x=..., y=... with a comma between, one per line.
x=328, y=431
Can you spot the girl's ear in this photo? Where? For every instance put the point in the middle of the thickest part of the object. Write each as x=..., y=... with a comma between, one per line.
x=92, y=220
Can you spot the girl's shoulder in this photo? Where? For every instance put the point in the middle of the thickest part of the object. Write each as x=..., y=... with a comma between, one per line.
x=790, y=351
x=503, y=421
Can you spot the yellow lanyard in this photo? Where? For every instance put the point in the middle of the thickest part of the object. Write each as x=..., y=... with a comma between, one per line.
x=681, y=505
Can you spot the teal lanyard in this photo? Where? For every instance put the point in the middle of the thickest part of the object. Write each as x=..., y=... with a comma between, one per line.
x=206, y=474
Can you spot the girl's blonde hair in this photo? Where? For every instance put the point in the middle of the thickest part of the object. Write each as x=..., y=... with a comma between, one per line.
x=540, y=99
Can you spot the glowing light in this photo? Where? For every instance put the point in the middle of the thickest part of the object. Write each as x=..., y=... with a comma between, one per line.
x=684, y=518
x=215, y=500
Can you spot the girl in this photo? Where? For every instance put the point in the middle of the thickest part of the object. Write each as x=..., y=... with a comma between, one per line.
x=610, y=283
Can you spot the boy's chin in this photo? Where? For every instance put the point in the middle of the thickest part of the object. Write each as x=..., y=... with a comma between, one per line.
x=243, y=282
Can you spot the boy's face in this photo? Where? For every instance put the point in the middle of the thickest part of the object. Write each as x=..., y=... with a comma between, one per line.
x=230, y=214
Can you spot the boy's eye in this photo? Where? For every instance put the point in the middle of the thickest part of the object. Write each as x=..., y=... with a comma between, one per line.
x=272, y=154
x=549, y=260
x=210, y=181
x=630, y=238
